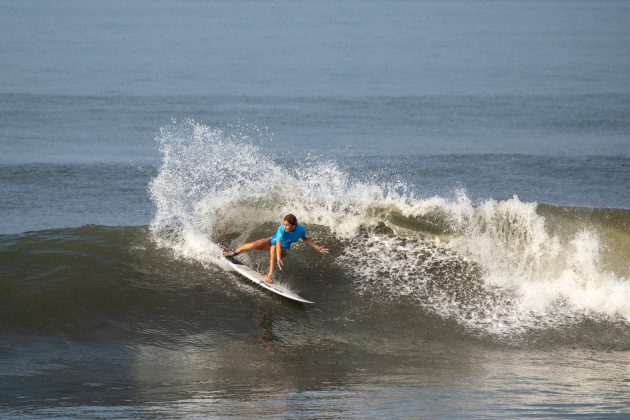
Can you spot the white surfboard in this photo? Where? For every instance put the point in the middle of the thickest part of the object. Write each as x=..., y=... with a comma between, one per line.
x=259, y=279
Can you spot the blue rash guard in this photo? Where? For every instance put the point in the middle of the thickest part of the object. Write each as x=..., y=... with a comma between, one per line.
x=287, y=238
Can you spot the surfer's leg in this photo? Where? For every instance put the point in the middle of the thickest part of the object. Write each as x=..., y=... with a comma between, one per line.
x=272, y=262
x=261, y=245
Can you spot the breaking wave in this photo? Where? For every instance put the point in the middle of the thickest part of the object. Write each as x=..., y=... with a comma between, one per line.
x=495, y=267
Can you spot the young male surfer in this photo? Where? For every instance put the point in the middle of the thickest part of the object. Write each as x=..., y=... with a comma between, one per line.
x=279, y=244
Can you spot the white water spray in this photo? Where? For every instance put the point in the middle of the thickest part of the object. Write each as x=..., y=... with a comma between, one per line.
x=493, y=267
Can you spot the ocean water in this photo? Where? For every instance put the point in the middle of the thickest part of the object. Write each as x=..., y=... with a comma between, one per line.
x=466, y=163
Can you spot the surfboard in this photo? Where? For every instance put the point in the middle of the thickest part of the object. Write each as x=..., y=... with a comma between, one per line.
x=259, y=279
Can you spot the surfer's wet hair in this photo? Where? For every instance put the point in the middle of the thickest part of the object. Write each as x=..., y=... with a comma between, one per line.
x=291, y=219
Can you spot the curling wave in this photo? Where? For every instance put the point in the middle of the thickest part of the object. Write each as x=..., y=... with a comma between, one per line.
x=497, y=267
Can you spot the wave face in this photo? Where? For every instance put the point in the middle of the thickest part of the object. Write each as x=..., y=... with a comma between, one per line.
x=500, y=269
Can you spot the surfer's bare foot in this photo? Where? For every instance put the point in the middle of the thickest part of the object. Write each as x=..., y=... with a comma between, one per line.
x=269, y=279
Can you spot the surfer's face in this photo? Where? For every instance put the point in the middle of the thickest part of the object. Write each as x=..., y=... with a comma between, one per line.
x=288, y=226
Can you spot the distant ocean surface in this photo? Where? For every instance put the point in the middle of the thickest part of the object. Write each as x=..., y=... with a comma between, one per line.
x=467, y=164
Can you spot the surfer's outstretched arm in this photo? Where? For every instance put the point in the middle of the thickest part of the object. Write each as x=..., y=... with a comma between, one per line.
x=316, y=247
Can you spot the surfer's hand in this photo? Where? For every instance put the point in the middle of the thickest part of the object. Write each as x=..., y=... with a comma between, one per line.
x=280, y=264
x=322, y=250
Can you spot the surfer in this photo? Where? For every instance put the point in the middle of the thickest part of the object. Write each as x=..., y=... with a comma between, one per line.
x=279, y=244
